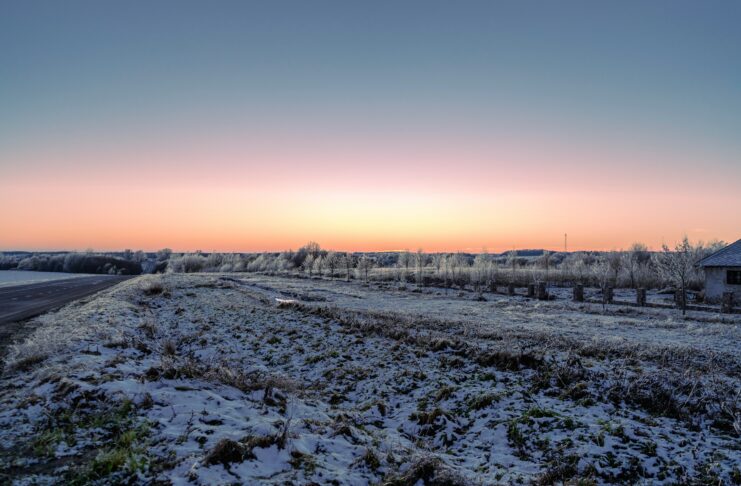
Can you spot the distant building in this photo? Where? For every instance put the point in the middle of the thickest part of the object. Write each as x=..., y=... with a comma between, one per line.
x=722, y=272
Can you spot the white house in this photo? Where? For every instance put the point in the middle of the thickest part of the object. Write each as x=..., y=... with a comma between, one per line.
x=723, y=272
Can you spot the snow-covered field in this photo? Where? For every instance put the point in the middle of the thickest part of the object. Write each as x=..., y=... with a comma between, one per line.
x=220, y=379
x=20, y=277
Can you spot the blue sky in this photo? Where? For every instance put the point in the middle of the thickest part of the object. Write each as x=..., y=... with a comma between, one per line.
x=670, y=67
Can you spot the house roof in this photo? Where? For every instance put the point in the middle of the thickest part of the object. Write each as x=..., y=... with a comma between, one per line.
x=730, y=256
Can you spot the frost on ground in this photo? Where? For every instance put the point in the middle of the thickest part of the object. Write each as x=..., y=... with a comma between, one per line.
x=209, y=379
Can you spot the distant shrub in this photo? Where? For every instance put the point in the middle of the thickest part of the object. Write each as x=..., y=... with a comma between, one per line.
x=101, y=264
x=186, y=264
x=80, y=263
x=8, y=262
x=43, y=263
x=153, y=286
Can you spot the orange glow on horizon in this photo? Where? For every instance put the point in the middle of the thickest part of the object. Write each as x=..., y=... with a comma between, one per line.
x=434, y=198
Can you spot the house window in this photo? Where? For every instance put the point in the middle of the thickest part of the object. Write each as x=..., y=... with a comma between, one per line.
x=733, y=277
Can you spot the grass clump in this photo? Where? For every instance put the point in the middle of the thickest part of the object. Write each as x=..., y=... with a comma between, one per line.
x=371, y=460
x=28, y=362
x=444, y=392
x=299, y=460
x=228, y=451
x=514, y=435
x=430, y=471
x=125, y=458
x=46, y=442
x=482, y=401
x=537, y=412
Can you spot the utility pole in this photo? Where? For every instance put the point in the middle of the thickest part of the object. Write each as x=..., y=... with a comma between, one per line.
x=565, y=243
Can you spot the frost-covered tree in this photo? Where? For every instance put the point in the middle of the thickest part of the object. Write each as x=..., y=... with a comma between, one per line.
x=213, y=262
x=577, y=266
x=319, y=264
x=512, y=264
x=419, y=262
x=7, y=262
x=364, y=266
x=308, y=264
x=489, y=268
x=446, y=264
x=404, y=262
x=187, y=264
x=635, y=261
x=602, y=272
x=333, y=260
x=348, y=261
x=457, y=275
x=437, y=262
x=480, y=271
x=615, y=262
x=313, y=249
x=677, y=266
x=545, y=263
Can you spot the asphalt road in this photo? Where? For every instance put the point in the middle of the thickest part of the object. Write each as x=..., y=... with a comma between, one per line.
x=23, y=301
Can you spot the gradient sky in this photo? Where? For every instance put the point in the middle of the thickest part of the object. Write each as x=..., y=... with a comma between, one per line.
x=452, y=125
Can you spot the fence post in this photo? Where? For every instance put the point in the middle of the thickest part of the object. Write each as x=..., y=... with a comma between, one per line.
x=542, y=292
x=680, y=299
x=531, y=290
x=607, y=295
x=726, y=305
x=641, y=297
x=511, y=289
x=579, y=293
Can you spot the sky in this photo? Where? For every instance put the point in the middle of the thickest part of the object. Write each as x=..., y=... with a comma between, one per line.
x=384, y=125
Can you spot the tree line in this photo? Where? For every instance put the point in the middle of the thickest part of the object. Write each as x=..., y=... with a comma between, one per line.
x=635, y=267
x=632, y=268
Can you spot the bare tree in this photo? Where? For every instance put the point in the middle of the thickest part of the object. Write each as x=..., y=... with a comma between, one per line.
x=577, y=267
x=545, y=263
x=512, y=263
x=677, y=266
x=491, y=272
x=308, y=264
x=348, y=260
x=602, y=273
x=480, y=271
x=437, y=262
x=419, y=261
x=634, y=262
x=456, y=263
x=446, y=263
x=615, y=262
x=313, y=249
x=319, y=263
x=333, y=261
x=364, y=266
x=404, y=262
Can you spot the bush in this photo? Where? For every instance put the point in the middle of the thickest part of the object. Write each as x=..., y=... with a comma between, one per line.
x=186, y=264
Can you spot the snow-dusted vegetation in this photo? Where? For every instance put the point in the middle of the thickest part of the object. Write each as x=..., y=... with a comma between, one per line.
x=244, y=378
x=632, y=268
